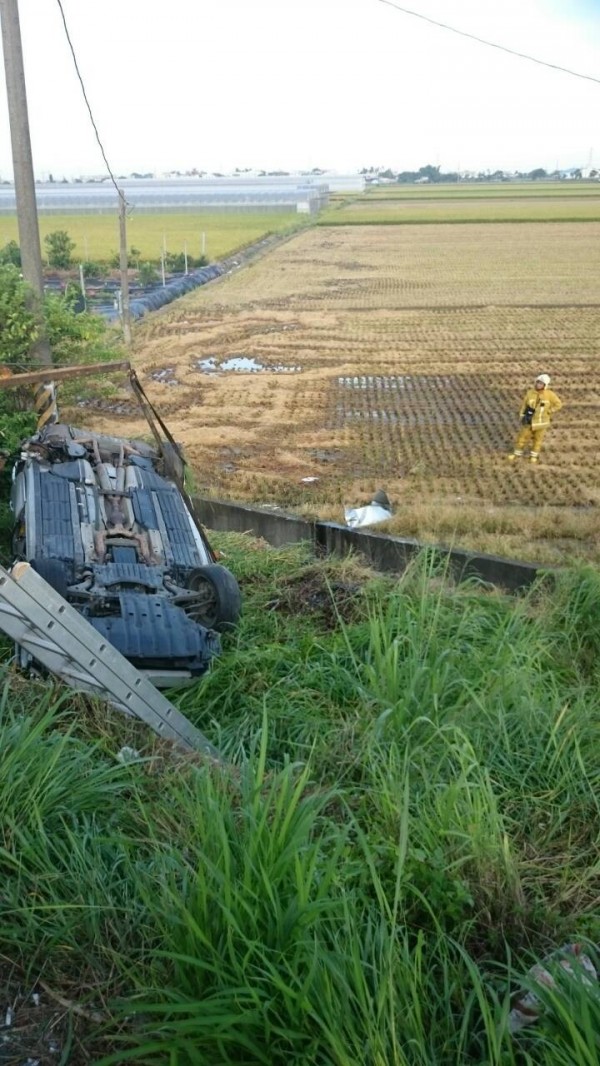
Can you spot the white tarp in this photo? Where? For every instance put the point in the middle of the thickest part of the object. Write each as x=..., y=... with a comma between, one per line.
x=366, y=516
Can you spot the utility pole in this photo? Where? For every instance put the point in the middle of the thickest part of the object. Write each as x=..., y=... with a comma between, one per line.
x=123, y=264
x=27, y=217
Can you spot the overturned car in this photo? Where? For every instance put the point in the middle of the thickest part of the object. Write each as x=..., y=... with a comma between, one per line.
x=108, y=524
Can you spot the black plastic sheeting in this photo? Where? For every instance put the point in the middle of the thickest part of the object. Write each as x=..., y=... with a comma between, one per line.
x=165, y=294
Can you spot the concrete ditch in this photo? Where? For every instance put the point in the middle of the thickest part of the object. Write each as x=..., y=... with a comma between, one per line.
x=383, y=552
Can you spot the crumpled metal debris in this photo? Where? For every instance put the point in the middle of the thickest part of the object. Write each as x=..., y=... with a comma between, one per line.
x=378, y=510
x=572, y=960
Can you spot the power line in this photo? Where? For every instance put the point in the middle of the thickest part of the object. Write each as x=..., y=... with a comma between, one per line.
x=123, y=205
x=87, y=103
x=490, y=44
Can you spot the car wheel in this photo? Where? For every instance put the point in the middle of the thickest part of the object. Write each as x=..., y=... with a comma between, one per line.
x=54, y=572
x=218, y=601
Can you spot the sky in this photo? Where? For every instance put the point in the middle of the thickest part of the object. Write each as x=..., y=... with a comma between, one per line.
x=334, y=84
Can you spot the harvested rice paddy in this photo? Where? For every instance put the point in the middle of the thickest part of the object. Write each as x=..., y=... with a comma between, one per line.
x=410, y=349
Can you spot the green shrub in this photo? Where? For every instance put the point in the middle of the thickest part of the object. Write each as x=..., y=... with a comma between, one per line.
x=94, y=268
x=11, y=253
x=147, y=274
x=59, y=246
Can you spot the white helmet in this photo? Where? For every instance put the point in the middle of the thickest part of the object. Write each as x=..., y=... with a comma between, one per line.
x=543, y=377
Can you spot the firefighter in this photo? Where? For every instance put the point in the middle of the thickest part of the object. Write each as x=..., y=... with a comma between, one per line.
x=539, y=404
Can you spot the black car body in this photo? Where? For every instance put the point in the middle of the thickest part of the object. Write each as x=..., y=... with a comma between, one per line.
x=104, y=523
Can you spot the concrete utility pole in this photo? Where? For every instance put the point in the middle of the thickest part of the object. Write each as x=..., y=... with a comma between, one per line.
x=27, y=217
x=124, y=268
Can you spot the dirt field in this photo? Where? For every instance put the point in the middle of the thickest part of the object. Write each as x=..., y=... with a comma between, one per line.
x=394, y=357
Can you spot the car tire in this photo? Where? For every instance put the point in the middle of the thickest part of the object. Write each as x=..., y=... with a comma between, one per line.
x=54, y=572
x=219, y=603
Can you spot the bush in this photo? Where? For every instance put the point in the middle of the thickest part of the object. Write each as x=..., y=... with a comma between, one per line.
x=73, y=338
x=59, y=246
x=93, y=268
x=17, y=326
x=11, y=253
x=175, y=263
x=147, y=274
x=76, y=338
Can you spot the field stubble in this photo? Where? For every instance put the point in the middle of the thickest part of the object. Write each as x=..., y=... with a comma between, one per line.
x=395, y=357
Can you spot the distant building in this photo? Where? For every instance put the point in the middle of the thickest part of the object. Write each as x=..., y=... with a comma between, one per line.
x=178, y=194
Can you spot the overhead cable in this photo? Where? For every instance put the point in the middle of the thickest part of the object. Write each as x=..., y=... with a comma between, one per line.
x=490, y=44
x=87, y=103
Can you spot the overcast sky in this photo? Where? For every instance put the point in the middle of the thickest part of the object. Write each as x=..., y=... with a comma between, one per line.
x=341, y=84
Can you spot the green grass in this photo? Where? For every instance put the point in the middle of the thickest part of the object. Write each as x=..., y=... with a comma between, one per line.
x=96, y=236
x=502, y=202
x=411, y=819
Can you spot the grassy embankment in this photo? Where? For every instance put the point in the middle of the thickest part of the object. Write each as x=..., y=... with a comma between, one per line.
x=411, y=820
x=97, y=236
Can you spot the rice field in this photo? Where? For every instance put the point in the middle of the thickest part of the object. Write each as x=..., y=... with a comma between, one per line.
x=488, y=190
x=395, y=358
x=213, y=234
x=454, y=203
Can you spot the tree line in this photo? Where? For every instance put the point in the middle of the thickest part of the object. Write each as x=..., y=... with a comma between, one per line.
x=433, y=175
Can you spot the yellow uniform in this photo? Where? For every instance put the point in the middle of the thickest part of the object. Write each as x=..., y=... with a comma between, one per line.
x=536, y=414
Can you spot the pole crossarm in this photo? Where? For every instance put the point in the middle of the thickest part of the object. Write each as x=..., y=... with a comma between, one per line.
x=62, y=373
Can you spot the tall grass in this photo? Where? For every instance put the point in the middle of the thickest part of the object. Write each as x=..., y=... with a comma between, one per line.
x=411, y=821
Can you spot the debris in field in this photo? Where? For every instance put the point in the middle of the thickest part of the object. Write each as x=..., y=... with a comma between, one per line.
x=378, y=510
x=38, y=1028
x=324, y=593
x=308, y=480
x=528, y=1006
x=324, y=456
x=127, y=755
x=165, y=374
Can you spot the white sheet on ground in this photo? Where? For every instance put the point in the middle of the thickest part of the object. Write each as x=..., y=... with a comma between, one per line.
x=366, y=516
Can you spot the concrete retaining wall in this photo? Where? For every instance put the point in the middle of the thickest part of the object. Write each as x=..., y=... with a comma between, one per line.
x=382, y=552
